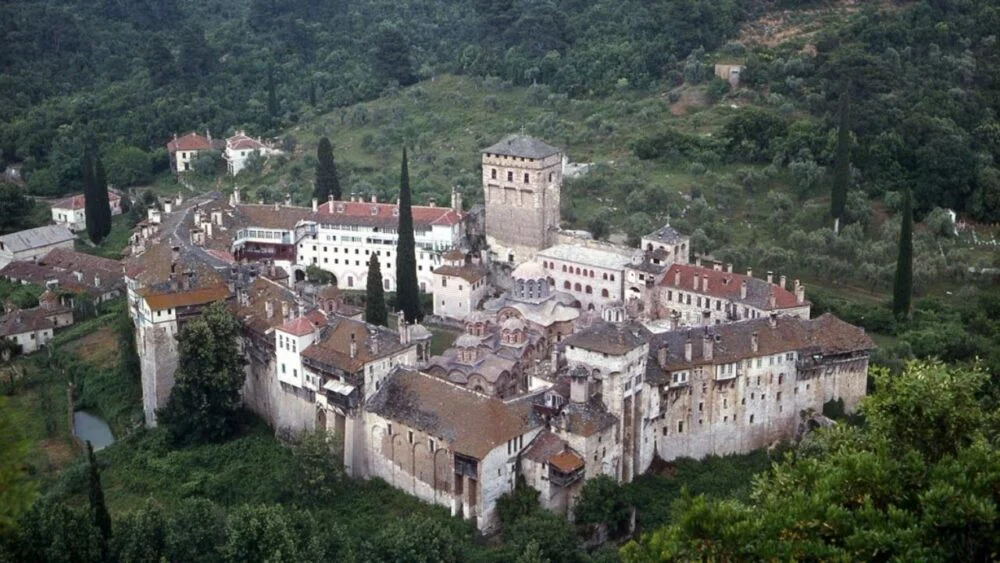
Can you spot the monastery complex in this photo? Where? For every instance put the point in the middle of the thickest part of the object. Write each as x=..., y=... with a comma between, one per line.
x=575, y=358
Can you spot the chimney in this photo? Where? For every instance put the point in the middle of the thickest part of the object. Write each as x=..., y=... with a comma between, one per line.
x=773, y=301
x=743, y=289
x=782, y=281
x=188, y=276
x=749, y=272
x=704, y=283
x=697, y=261
x=403, y=328
x=175, y=254
x=677, y=278
x=288, y=200
x=772, y=320
x=354, y=347
x=374, y=198
x=97, y=280
x=315, y=205
x=173, y=279
x=329, y=199
x=269, y=308
x=694, y=282
x=800, y=293
x=707, y=346
x=578, y=389
x=770, y=276
x=754, y=342
x=729, y=268
x=208, y=135
x=373, y=342
x=675, y=320
x=456, y=200
x=208, y=229
x=687, y=349
x=284, y=310
x=661, y=356
x=432, y=203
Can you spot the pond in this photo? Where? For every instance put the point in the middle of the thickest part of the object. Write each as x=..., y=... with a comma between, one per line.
x=89, y=427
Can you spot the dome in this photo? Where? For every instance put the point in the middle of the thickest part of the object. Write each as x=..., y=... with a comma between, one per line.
x=529, y=271
x=329, y=292
x=419, y=332
x=467, y=341
x=477, y=316
x=512, y=324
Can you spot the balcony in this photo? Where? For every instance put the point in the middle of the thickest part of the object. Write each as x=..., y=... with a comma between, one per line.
x=564, y=479
x=341, y=394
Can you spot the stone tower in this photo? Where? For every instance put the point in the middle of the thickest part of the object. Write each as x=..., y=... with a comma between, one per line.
x=522, y=180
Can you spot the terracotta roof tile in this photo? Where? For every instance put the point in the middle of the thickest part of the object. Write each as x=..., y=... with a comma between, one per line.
x=726, y=285
x=182, y=298
x=190, y=142
x=470, y=274
x=610, y=338
x=299, y=326
x=566, y=461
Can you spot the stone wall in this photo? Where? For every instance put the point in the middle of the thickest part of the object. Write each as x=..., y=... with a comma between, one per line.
x=158, y=362
x=521, y=216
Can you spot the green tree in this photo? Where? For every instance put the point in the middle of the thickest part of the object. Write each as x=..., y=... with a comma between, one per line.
x=15, y=207
x=318, y=467
x=260, y=533
x=98, y=509
x=375, y=311
x=127, y=166
x=902, y=287
x=553, y=534
x=52, y=531
x=416, y=539
x=842, y=167
x=141, y=536
x=392, y=57
x=602, y=502
x=204, y=404
x=407, y=288
x=197, y=531
x=327, y=183
x=95, y=192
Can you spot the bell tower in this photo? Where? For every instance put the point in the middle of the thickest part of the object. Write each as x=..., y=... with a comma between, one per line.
x=522, y=181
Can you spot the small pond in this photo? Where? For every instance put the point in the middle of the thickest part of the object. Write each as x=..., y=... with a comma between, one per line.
x=89, y=427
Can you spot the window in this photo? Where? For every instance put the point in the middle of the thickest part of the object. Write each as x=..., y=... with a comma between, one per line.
x=430, y=445
x=550, y=176
x=604, y=293
x=751, y=419
x=510, y=176
x=680, y=426
x=701, y=407
x=566, y=285
x=282, y=368
x=576, y=287
x=525, y=178
x=444, y=282
x=295, y=372
x=779, y=396
x=409, y=436
x=589, y=290
x=493, y=173
x=388, y=429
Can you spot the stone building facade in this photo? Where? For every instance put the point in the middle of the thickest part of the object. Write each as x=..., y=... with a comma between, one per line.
x=522, y=184
x=459, y=286
x=592, y=273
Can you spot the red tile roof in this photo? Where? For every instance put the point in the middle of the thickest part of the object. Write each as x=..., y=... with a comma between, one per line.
x=190, y=142
x=361, y=212
x=726, y=285
x=200, y=296
x=79, y=201
x=241, y=141
x=299, y=326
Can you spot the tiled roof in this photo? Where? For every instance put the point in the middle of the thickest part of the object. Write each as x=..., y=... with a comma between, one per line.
x=253, y=311
x=607, y=258
x=334, y=347
x=344, y=213
x=726, y=285
x=587, y=419
x=184, y=298
x=299, y=326
x=241, y=141
x=27, y=320
x=473, y=424
x=71, y=270
x=36, y=238
x=544, y=446
x=666, y=235
x=522, y=145
x=826, y=335
x=610, y=338
x=75, y=202
x=190, y=142
x=470, y=274
x=566, y=461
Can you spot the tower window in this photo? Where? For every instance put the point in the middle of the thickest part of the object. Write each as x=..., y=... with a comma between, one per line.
x=493, y=173
x=510, y=176
x=525, y=178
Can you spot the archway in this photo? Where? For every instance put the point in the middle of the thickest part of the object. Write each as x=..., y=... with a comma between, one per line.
x=320, y=420
x=300, y=275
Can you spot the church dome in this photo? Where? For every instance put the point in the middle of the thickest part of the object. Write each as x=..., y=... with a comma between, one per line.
x=512, y=324
x=466, y=341
x=529, y=271
x=477, y=316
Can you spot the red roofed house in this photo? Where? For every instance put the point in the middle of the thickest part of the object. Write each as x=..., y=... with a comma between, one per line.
x=184, y=150
x=71, y=212
x=240, y=147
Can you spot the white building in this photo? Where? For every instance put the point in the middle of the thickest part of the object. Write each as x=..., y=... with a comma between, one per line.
x=185, y=150
x=590, y=272
x=33, y=328
x=71, y=212
x=32, y=244
x=240, y=147
x=340, y=236
x=458, y=287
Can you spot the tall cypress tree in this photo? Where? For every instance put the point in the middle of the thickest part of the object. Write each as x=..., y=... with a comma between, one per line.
x=103, y=199
x=90, y=204
x=327, y=183
x=98, y=509
x=375, y=311
x=902, y=288
x=407, y=288
x=842, y=166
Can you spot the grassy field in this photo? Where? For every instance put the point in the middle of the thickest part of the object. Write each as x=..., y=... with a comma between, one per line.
x=113, y=244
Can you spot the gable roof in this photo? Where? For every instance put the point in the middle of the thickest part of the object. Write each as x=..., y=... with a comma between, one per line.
x=190, y=142
x=241, y=141
x=610, y=338
x=334, y=346
x=469, y=273
x=36, y=238
x=79, y=201
x=472, y=423
x=726, y=285
x=522, y=145
x=299, y=326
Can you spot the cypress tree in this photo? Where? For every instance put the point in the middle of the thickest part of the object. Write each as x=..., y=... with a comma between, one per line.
x=327, y=183
x=902, y=288
x=407, y=288
x=375, y=311
x=98, y=509
x=272, y=97
x=90, y=203
x=842, y=167
x=103, y=200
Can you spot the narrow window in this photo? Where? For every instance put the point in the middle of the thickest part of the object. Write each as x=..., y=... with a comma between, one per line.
x=409, y=436
x=680, y=426
x=525, y=178
x=493, y=174
x=510, y=176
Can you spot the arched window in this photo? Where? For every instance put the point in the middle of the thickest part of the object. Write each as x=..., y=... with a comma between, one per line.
x=564, y=267
x=589, y=290
x=649, y=246
x=577, y=287
x=566, y=285
x=578, y=271
x=605, y=275
x=604, y=293
x=591, y=273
